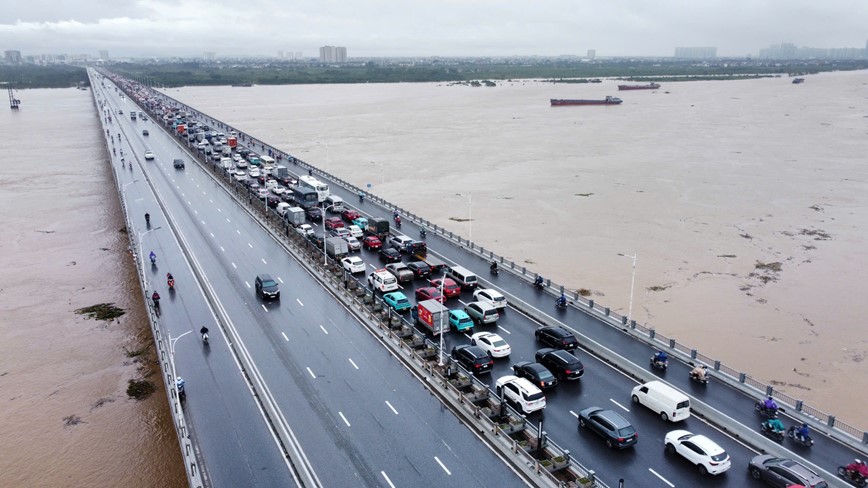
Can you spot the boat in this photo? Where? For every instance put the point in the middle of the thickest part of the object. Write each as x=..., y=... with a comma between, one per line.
x=607, y=101
x=650, y=86
x=796, y=81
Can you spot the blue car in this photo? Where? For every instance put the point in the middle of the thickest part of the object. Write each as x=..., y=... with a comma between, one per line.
x=361, y=222
x=397, y=300
x=459, y=321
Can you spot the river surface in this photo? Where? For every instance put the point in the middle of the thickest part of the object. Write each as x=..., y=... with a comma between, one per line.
x=745, y=201
x=65, y=417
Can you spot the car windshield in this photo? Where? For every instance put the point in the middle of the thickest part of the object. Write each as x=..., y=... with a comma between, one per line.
x=402, y=301
x=268, y=283
x=470, y=279
x=499, y=343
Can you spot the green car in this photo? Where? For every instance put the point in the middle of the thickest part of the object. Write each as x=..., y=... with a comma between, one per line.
x=361, y=222
x=460, y=321
x=397, y=300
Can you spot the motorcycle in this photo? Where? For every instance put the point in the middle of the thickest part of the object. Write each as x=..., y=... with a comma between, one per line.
x=494, y=270
x=853, y=477
x=806, y=441
x=760, y=407
x=423, y=233
x=777, y=435
x=695, y=377
x=153, y=259
x=539, y=285
x=659, y=364
x=561, y=304
x=171, y=283
x=205, y=338
x=182, y=392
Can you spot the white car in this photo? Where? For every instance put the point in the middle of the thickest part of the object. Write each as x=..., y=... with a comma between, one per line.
x=262, y=193
x=491, y=343
x=240, y=175
x=698, y=450
x=353, y=244
x=353, y=264
x=521, y=393
x=254, y=172
x=241, y=164
x=236, y=157
x=149, y=154
x=278, y=190
x=356, y=232
x=491, y=297
x=226, y=163
x=305, y=230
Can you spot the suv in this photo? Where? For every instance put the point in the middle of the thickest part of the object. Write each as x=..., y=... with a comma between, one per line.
x=178, y=164
x=401, y=271
x=383, y=280
x=522, y=393
x=699, y=450
x=617, y=431
x=473, y=358
x=482, y=313
x=400, y=243
x=536, y=373
x=267, y=287
x=561, y=363
x=783, y=472
x=420, y=269
x=556, y=337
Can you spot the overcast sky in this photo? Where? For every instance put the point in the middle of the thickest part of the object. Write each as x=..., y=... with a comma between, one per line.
x=373, y=28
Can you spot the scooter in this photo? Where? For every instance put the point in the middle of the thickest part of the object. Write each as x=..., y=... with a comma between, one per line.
x=539, y=285
x=853, y=477
x=695, y=377
x=423, y=233
x=171, y=283
x=659, y=364
x=205, y=338
x=807, y=441
x=762, y=410
x=561, y=304
x=494, y=270
x=777, y=435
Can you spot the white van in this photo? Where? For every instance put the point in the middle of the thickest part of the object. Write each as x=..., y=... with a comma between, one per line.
x=335, y=203
x=464, y=277
x=659, y=397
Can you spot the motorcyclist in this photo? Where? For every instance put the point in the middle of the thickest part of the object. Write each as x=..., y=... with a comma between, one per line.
x=153, y=257
x=156, y=298
x=700, y=372
x=562, y=300
x=170, y=280
x=538, y=282
x=147, y=218
x=179, y=384
x=857, y=467
x=361, y=196
x=803, y=433
x=774, y=425
x=423, y=232
x=398, y=221
x=493, y=267
x=661, y=357
x=770, y=405
x=204, y=332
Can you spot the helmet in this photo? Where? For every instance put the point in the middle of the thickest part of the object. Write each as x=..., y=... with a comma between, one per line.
x=805, y=425
x=770, y=397
x=858, y=461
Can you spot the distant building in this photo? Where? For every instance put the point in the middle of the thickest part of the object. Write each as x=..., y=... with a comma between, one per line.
x=791, y=51
x=13, y=57
x=696, y=52
x=333, y=54
x=281, y=54
x=592, y=53
x=103, y=55
x=209, y=55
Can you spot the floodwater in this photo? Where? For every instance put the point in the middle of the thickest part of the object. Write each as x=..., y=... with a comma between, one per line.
x=745, y=201
x=65, y=418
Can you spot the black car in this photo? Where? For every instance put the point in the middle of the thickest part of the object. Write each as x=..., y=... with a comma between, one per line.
x=316, y=240
x=145, y=132
x=617, y=431
x=536, y=373
x=473, y=358
x=781, y=472
x=178, y=164
x=420, y=269
x=556, y=337
x=267, y=287
x=273, y=200
x=244, y=152
x=314, y=214
x=561, y=363
x=390, y=255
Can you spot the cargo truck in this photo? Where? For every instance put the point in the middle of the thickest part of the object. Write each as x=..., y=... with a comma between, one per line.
x=432, y=315
x=294, y=216
x=232, y=141
x=379, y=227
x=336, y=247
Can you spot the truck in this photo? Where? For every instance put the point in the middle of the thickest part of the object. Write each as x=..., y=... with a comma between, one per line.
x=336, y=247
x=232, y=142
x=432, y=315
x=437, y=266
x=304, y=197
x=378, y=226
x=280, y=172
x=295, y=216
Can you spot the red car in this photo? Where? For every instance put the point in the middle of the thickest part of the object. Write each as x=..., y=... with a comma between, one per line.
x=429, y=293
x=350, y=215
x=450, y=287
x=333, y=223
x=372, y=243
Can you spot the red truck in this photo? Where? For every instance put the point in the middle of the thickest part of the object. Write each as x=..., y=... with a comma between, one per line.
x=432, y=315
x=232, y=141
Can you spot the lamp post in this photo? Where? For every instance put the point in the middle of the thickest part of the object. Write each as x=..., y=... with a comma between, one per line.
x=325, y=255
x=442, y=282
x=634, y=256
x=469, y=215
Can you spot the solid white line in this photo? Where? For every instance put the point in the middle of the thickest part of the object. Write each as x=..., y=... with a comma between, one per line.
x=280, y=280
x=387, y=479
x=391, y=407
x=236, y=267
x=323, y=329
x=263, y=307
x=618, y=404
x=284, y=336
x=574, y=414
x=299, y=302
x=467, y=336
x=461, y=302
x=442, y=465
x=311, y=373
x=345, y=419
x=354, y=364
x=501, y=328
x=661, y=478
x=263, y=261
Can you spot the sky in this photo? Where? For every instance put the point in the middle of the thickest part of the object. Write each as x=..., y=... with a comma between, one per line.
x=393, y=28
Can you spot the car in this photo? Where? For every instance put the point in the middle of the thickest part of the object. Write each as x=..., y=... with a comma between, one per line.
x=254, y=173
x=353, y=264
x=536, y=373
x=429, y=293
x=556, y=337
x=149, y=154
x=521, y=393
x=782, y=472
x=372, y=243
x=121, y=112
x=145, y=132
x=561, y=363
x=314, y=214
x=332, y=223
x=236, y=157
x=316, y=240
x=473, y=358
x=241, y=164
x=278, y=190
x=340, y=232
x=450, y=287
x=266, y=287
x=400, y=243
x=239, y=175
x=382, y=280
x=609, y=424
x=356, y=231
x=360, y=222
x=491, y=343
x=390, y=255
x=262, y=193
x=699, y=450
x=420, y=269
x=491, y=297
x=272, y=201
x=459, y=321
x=397, y=300
x=349, y=215
x=178, y=164
x=482, y=313
x=353, y=244
x=400, y=271
x=304, y=229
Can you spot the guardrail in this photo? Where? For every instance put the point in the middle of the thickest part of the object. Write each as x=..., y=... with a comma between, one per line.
x=162, y=343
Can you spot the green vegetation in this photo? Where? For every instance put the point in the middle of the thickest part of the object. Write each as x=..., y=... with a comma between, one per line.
x=101, y=311
x=140, y=389
x=34, y=76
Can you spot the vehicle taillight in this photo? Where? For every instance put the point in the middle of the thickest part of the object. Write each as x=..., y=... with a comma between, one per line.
x=568, y=372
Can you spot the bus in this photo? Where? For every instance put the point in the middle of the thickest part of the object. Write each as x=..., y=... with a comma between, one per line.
x=322, y=190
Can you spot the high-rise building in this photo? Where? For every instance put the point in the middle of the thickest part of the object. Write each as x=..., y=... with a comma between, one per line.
x=592, y=53
x=209, y=55
x=281, y=54
x=103, y=55
x=696, y=52
x=13, y=57
x=333, y=54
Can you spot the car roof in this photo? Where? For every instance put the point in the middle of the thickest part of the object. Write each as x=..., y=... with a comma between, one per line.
x=484, y=334
x=484, y=306
x=612, y=416
x=706, y=444
x=396, y=294
x=459, y=313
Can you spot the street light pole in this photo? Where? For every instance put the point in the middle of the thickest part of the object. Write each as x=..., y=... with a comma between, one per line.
x=442, y=282
x=634, y=256
x=325, y=255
